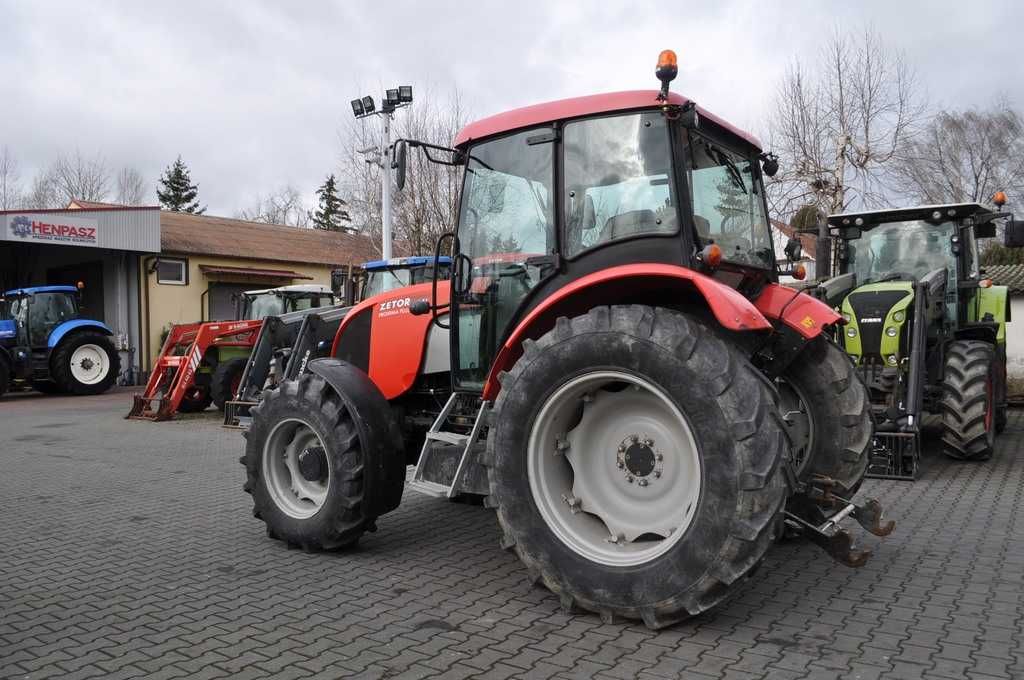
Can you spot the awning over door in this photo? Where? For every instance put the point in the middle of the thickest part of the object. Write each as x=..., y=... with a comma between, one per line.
x=251, y=273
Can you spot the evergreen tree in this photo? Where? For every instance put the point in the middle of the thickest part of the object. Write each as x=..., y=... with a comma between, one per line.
x=331, y=215
x=178, y=193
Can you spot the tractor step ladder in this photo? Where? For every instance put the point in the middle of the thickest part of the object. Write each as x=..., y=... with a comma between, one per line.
x=464, y=443
x=174, y=373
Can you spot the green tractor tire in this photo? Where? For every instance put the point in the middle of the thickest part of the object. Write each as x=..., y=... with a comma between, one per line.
x=968, y=400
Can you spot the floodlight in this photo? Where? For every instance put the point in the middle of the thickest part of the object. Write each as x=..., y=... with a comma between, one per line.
x=368, y=105
x=405, y=94
x=391, y=97
x=357, y=108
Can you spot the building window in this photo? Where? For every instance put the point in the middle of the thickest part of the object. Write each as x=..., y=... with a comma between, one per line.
x=172, y=272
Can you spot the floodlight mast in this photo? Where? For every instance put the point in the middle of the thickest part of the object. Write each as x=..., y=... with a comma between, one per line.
x=393, y=99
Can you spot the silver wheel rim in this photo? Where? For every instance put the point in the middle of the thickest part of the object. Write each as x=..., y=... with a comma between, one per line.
x=89, y=364
x=295, y=496
x=606, y=508
x=799, y=424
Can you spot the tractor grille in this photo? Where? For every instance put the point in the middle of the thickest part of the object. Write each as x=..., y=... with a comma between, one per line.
x=873, y=305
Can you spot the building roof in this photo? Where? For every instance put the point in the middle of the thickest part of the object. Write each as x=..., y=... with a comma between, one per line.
x=1009, y=275
x=581, y=106
x=79, y=204
x=208, y=235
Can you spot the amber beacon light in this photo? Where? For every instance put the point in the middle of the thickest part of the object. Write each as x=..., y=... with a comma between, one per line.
x=668, y=68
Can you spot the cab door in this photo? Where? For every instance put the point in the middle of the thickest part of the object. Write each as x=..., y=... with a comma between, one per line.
x=506, y=237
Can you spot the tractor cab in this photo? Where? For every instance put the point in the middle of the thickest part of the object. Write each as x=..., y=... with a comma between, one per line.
x=31, y=314
x=259, y=304
x=380, y=276
x=915, y=299
x=574, y=191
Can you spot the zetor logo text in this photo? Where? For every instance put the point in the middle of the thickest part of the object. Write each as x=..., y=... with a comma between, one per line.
x=25, y=227
x=393, y=307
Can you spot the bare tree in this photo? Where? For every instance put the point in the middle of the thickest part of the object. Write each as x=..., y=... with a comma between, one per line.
x=78, y=177
x=428, y=205
x=10, y=180
x=284, y=206
x=130, y=187
x=838, y=124
x=964, y=156
x=43, y=192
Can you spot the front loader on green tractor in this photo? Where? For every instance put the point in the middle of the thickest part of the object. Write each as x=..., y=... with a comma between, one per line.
x=925, y=328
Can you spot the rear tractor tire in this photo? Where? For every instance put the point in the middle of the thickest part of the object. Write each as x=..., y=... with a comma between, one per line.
x=633, y=458
x=827, y=412
x=968, y=401
x=225, y=381
x=85, y=363
x=319, y=466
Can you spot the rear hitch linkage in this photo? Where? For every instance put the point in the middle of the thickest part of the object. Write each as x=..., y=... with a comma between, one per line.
x=829, y=535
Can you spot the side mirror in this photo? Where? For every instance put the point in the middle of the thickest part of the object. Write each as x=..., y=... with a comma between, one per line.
x=1013, y=237
x=769, y=164
x=793, y=249
x=399, y=163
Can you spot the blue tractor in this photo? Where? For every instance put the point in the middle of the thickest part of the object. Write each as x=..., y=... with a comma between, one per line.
x=45, y=344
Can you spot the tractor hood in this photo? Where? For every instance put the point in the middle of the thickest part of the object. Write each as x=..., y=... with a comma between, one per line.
x=877, y=316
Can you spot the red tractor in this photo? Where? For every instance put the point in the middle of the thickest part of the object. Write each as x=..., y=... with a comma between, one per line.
x=612, y=364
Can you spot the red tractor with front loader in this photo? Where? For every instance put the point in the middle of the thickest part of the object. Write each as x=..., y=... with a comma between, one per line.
x=612, y=364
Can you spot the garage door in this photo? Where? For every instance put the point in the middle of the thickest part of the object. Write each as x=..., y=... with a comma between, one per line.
x=222, y=299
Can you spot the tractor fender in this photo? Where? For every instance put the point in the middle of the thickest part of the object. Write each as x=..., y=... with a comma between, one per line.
x=381, y=337
x=377, y=426
x=806, y=315
x=58, y=333
x=733, y=311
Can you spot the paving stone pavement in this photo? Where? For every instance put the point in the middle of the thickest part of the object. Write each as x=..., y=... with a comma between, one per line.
x=127, y=549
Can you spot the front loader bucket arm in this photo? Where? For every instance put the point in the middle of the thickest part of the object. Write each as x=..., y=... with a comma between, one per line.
x=174, y=373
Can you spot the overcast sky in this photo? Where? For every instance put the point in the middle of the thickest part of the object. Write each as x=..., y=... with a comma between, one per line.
x=252, y=94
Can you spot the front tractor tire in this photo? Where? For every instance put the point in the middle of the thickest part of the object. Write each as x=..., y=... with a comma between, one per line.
x=225, y=381
x=319, y=466
x=969, y=400
x=633, y=459
x=827, y=411
x=85, y=363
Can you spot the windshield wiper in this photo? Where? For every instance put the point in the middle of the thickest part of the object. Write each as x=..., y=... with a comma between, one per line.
x=734, y=171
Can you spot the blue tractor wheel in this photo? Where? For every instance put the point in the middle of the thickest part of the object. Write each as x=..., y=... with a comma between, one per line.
x=85, y=363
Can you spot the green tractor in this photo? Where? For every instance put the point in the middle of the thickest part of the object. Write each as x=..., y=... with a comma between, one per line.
x=924, y=326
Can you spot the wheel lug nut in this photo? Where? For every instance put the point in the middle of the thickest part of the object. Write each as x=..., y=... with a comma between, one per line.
x=658, y=457
x=621, y=464
x=657, y=474
x=633, y=438
x=648, y=442
x=629, y=478
x=622, y=448
x=642, y=482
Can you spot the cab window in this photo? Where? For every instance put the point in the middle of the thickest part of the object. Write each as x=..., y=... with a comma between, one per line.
x=618, y=180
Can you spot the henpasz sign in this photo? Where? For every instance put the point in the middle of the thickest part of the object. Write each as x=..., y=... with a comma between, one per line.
x=57, y=229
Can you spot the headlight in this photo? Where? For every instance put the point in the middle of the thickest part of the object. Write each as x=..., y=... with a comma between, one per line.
x=899, y=316
x=851, y=332
x=891, y=331
x=892, y=360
